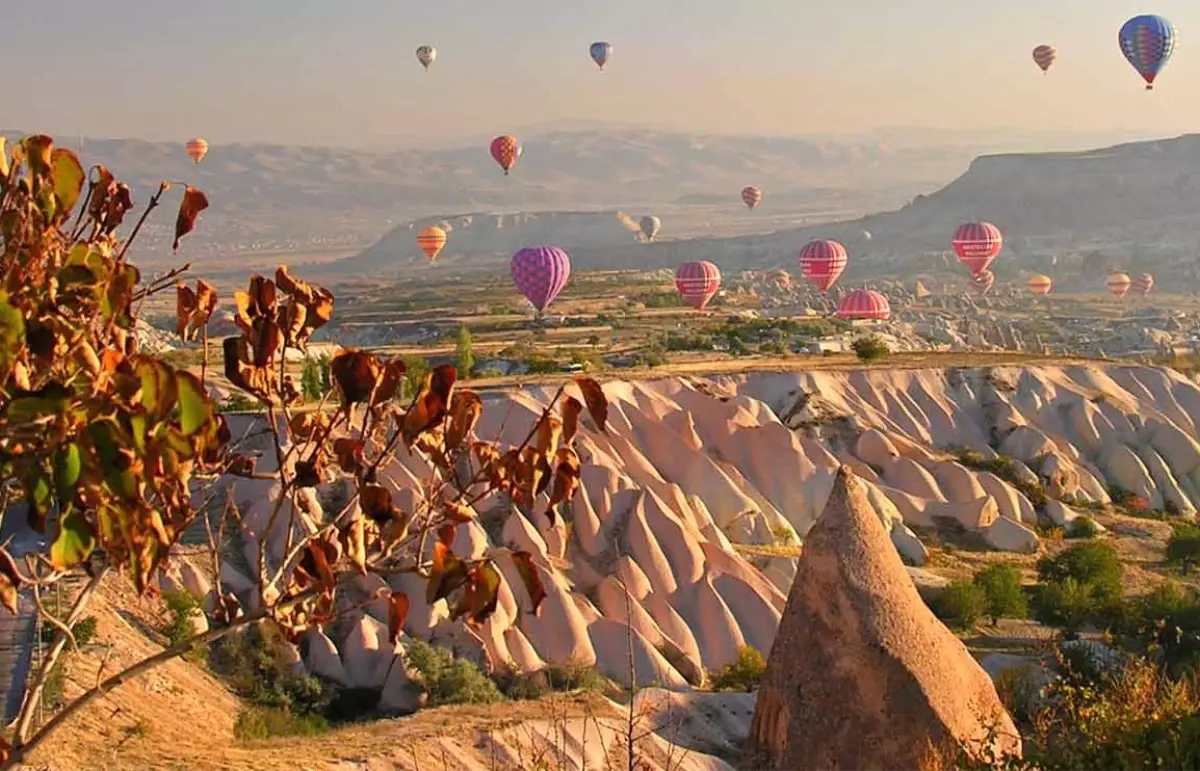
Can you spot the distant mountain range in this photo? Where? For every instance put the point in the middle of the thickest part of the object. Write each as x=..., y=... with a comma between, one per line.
x=1133, y=206
x=275, y=198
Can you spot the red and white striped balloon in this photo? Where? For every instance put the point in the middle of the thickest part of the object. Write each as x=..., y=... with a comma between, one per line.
x=977, y=244
x=864, y=304
x=822, y=263
x=1142, y=284
x=751, y=196
x=1039, y=284
x=197, y=148
x=982, y=282
x=1118, y=284
x=1044, y=56
x=698, y=282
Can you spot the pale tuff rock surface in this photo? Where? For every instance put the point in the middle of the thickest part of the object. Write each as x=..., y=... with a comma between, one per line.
x=694, y=474
x=862, y=675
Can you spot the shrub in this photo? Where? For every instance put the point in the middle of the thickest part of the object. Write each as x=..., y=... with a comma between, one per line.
x=1166, y=623
x=744, y=673
x=1083, y=528
x=1094, y=564
x=251, y=662
x=182, y=608
x=1003, y=595
x=870, y=348
x=1183, y=548
x=961, y=604
x=1068, y=604
x=256, y=723
x=448, y=680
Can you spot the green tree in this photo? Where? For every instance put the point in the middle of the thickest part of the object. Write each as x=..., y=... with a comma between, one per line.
x=870, y=348
x=1184, y=546
x=464, y=360
x=960, y=604
x=310, y=381
x=415, y=370
x=326, y=381
x=1002, y=592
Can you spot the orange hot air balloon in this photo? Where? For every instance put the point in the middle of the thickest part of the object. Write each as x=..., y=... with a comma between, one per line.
x=1118, y=284
x=197, y=148
x=1039, y=284
x=431, y=240
x=506, y=149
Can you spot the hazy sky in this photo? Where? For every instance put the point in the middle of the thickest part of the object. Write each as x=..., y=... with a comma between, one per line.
x=343, y=72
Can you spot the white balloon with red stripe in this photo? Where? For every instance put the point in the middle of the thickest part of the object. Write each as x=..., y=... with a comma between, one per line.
x=977, y=244
x=822, y=263
x=698, y=282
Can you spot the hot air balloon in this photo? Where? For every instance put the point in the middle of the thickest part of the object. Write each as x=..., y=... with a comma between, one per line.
x=867, y=234
x=1142, y=284
x=431, y=240
x=1039, y=284
x=600, y=51
x=506, y=149
x=697, y=282
x=751, y=196
x=1147, y=42
x=983, y=281
x=426, y=55
x=197, y=148
x=650, y=226
x=1118, y=284
x=822, y=263
x=1044, y=56
x=977, y=244
x=864, y=304
x=540, y=273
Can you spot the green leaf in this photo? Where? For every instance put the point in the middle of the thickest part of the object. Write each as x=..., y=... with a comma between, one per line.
x=116, y=461
x=68, y=465
x=39, y=494
x=69, y=177
x=12, y=333
x=195, y=408
x=29, y=406
x=159, y=391
x=75, y=540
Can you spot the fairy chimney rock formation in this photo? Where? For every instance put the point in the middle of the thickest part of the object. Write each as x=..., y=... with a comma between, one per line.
x=862, y=674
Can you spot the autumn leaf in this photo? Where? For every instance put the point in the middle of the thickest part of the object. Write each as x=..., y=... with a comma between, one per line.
x=465, y=410
x=190, y=207
x=291, y=320
x=74, y=542
x=458, y=512
x=354, y=543
x=241, y=465
x=68, y=176
x=446, y=534
x=549, y=430
x=389, y=382
x=570, y=418
x=432, y=403
x=596, y=401
x=305, y=425
x=376, y=503
x=531, y=578
x=185, y=308
x=481, y=596
x=356, y=374
x=447, y=574
x=566, y=478
x=38, y=149
x=349, y=454
x=397, y=614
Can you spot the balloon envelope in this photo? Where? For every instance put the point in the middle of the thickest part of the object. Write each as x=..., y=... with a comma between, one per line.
x=426, y=55
x=1142, y=284
x=1147, y=42
x=1044, y=56
x=864, y=304
x=600, y=53
x=977, y=244
x=822, y=263
x=506, y=149
x=197, y=148
x=1118, y=284
x=751, y=196
x=698, y=282
x=431, y=240
x=650, y=226
x=1039, y=284
x=540, y=273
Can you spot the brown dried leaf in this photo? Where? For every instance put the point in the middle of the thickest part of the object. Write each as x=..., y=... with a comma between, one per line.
x=354, y=543
x=566, y=476
x=531, y=578
x=376, y=503
x=458, y=512
x=431, y=404
x=481, y=596
x=206, y=302
x=291, y=321
x=185, y=308
x=447, y=574
x=349, y=454
x=241, y=465
x=397, y=614
x=465, y=411
x=310, y=472
x=446, y=533
x=597, y=402
x=295, y=287
x=356, y=375
x=389, y=382
x=570, y=418
x=548, y=433
x=190, y=207
x=305, y=425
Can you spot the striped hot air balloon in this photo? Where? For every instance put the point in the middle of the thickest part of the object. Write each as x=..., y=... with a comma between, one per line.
x=197, y=148
x=1118, y=284
x=506, y=149
x=822, y=263
x=751, y=196
x=1039, y=284
x=540, y=273
x=864, y=304
x=1142, y=284
x=977, y=244
x=698, y=282
x=1044, y=56
x=982, y=282
x=431, y=240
